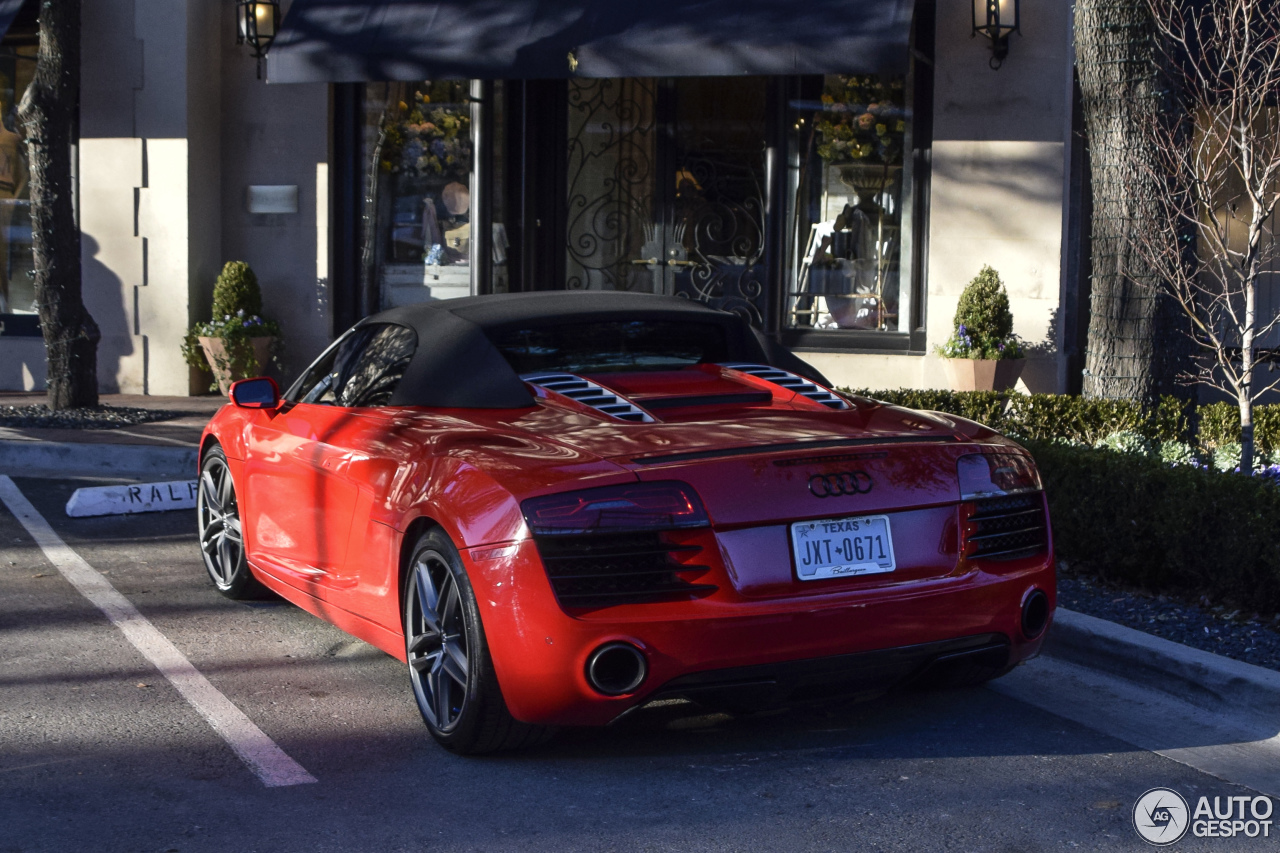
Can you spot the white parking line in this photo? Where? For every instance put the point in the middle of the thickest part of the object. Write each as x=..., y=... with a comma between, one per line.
x=268, y=761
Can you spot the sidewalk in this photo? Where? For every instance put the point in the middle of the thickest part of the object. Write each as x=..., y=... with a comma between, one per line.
x=161, y=450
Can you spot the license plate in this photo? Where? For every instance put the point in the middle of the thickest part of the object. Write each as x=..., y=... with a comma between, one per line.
x=842, y=547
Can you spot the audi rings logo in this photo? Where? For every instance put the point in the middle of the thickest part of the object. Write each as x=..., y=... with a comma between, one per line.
x=840, y=483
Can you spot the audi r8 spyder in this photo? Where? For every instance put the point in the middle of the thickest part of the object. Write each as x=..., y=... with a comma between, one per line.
x=558, y=507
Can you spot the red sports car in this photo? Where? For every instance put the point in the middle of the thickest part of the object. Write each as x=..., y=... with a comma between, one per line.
x=558, y=507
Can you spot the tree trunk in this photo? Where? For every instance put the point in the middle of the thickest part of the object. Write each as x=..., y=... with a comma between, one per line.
x=1136, y=344
x=47, y=115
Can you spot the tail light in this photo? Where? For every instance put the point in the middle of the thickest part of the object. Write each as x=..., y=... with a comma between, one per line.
x=634, y=506
x=996, y=473
x=619, y=544
x=1002, y=516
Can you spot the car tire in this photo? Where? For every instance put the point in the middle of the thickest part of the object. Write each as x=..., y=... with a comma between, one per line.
x=450, y=670
x=218, y=526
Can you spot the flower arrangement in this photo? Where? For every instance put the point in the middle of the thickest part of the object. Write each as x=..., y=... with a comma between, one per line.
x=426, y=141
x=983, y=322
x=238, y=341
x=863, y=119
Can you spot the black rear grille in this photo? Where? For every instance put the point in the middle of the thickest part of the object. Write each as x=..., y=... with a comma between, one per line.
x=1008, y=528
x=601, y=569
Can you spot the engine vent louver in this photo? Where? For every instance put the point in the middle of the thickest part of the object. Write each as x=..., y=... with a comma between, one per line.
x=1007, y=528
x=590, y=394
x=791, y=382
x=603, y=569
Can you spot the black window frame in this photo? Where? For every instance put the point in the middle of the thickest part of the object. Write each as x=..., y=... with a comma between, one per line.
x=910, y=341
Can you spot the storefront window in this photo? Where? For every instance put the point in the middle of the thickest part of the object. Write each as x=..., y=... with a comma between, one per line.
x=418, y=156
x=846, y=205
x=17, y=288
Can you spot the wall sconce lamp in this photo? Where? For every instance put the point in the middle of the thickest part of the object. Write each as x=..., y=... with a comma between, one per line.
x=256, y=24
x=997, y=20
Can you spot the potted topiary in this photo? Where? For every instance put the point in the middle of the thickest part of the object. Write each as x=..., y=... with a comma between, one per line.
x=238, y=342
x=983, y=354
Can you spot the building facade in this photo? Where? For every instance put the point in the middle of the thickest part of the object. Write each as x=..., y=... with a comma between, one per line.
x=841, y=209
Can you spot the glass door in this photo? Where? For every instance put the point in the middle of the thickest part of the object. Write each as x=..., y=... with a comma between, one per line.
x=666, y=189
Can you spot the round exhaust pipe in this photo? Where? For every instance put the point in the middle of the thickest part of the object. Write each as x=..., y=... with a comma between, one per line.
x=616, y=669
x=1035, y=614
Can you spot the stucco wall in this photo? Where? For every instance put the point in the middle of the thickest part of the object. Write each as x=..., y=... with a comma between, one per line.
x=278, y=135
x=150, y=185
x=996, y=196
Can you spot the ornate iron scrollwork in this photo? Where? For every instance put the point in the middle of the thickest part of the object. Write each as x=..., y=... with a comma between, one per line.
x=720, y=205
x=706, y=243
x=612, y=134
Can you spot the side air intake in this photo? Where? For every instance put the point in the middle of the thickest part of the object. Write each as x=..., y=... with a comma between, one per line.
x=590, y=394
x=791, y=382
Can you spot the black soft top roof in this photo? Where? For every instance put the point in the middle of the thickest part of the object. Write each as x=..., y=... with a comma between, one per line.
x=456, y=365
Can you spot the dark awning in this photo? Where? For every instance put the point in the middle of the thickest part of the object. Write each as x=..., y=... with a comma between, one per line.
x=350, y=40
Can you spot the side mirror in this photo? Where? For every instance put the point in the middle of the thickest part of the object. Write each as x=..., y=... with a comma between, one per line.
x=259, y=393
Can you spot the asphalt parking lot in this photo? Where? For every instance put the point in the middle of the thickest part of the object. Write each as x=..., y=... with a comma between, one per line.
x=99, y=752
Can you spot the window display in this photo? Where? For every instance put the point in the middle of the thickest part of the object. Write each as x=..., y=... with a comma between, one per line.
x=418, y=155
x=846, y=217
x=17, y=288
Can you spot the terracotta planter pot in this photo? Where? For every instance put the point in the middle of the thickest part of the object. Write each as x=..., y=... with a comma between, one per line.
x=983, y=374
x=216, y=354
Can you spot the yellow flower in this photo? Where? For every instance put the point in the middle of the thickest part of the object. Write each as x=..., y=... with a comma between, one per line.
x=827, y=99
x=403, y=107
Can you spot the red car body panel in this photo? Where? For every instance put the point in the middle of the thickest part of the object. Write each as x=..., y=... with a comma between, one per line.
x=329, y=494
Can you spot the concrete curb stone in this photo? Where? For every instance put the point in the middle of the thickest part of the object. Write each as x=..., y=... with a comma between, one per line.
x=69, y=459
x=1210, y=681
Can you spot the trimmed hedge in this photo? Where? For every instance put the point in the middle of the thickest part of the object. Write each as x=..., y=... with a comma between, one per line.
x=1044, y=417
x=1220, y=424
x=1131, y=519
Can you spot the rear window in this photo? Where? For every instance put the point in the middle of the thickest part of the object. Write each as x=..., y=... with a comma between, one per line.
x=611, y=346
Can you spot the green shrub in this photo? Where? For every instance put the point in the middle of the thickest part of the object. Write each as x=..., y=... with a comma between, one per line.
x=236, y=320
x=984, y=307
x=1127, y=441
x=1136, y=520
x=985, y=407
x=236, y=289
x=983, y=325
x=1226, y=456
x=1046, y=417
x=1220, y=425
x=1177, y=453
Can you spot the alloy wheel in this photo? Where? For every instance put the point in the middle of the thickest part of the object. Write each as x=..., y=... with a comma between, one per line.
x=437, y=645
x=219, y=514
